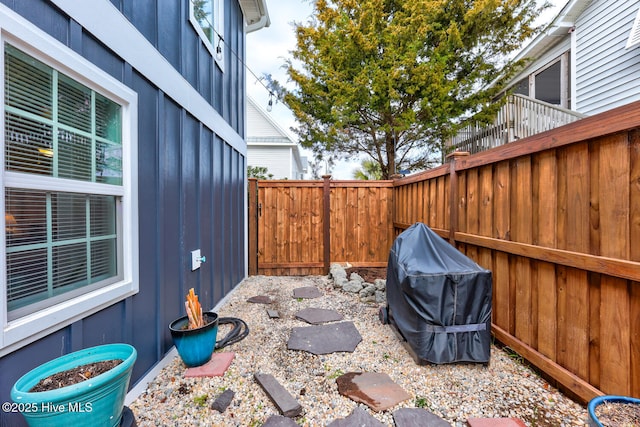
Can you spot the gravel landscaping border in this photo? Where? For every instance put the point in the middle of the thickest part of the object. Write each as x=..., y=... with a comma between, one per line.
x=455, y=392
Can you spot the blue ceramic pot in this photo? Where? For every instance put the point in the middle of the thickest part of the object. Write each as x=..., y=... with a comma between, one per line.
x=593, y=403
x=97, y=401
x=195, y=346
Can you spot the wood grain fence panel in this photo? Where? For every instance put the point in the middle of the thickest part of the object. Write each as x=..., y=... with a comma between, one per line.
x=615, y=354
x=576, y=238
x=485, y=214
x=338, y=224
x=472, y=209
x=594, y=328
x=352, y=226
x=634, y=321
x=462, y=201
x=502, y=307
x=521, y=218
x=615, y=318
x=634, y=254
x=283, y=198
x=545, y=231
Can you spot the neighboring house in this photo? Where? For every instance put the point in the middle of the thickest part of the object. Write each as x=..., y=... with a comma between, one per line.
x=586, y=62
x=268, y=145
x=123, y=151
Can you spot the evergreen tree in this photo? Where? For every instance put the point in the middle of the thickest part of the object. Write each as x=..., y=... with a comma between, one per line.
x=392, y=78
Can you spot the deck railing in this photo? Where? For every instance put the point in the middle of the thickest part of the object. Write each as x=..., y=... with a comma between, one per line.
x=520, y=117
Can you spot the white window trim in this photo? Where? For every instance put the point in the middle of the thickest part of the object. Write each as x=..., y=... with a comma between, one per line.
x=218, y=27
x=19, y=332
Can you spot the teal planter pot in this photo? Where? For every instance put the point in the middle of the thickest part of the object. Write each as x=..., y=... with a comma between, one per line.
x=195, y=346
x=593, y=404
x=98, y=401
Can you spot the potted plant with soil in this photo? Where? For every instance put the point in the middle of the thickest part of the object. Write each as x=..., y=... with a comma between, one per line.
x=194, y=335
x=609, y=411
x=86, y=387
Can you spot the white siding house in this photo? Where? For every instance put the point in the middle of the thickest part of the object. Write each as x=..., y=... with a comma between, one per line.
x=587, y=61
x=582, y=61
x=268, y=145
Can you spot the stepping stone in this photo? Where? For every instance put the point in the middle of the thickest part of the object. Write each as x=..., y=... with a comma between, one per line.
x=318, y=315
x=495, y=422
x=307, y=292
x=286, y=404
x=417, y=417
x=216, y=367
x=273, y=314
x=279, y=421
x=223, y=401
x=260, y=299
x=378, y=391
x=325, y=339
x=358, y=418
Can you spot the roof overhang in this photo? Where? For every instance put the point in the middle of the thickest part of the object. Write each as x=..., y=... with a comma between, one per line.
x=560, y=26
x=255, y=13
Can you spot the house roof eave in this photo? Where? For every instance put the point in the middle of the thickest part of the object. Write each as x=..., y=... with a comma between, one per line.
x=255, y=13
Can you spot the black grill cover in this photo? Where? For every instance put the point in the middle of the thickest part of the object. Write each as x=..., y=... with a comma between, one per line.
x=438, y=299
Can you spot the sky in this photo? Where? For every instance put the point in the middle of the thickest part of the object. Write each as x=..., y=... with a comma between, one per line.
x=267, y=51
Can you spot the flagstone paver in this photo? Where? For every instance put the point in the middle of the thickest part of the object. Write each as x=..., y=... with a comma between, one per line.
x=307, y=292
x=495, y=422
x=358, y=418
x=216, y=367
x=286, y=404
x=417, y=417
x=317, y=316
x=223, y=401
x=260, y=299
x=279, y=421
x=325, y=339
x=376, y=390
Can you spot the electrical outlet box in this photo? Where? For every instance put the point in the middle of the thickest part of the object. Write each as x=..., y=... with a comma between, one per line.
x=196, y=259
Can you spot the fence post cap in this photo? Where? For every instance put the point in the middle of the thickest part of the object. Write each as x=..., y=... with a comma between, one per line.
x=455, y=154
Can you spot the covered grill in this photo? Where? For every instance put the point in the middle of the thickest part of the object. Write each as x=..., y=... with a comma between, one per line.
x=438, y=299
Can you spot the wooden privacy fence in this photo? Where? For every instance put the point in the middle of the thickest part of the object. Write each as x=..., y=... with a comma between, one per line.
x=555, y=217
x=299, y=227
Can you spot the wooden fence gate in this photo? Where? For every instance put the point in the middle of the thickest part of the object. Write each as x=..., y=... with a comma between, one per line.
x=299, y=227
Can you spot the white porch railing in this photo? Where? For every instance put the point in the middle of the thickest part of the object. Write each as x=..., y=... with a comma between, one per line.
x=520, y=117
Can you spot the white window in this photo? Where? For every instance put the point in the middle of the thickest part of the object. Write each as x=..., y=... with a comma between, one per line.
x=69, y=246
x=207, y=17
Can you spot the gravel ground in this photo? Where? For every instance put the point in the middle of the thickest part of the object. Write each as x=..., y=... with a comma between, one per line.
x=504, y=388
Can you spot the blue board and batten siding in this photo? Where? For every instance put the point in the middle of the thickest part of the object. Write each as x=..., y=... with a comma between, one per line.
x=191, y=178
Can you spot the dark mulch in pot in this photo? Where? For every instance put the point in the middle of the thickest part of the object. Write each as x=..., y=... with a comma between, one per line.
x=75, y=375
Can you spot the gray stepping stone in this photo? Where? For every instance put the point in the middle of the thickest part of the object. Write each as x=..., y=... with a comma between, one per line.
x=417, y=417
x=260, y=299
x=378, y=391
x=325, y=339
x=316, y=316
x=273, y=314
x=358, y=418
x=307, y=292
x=279, y=421
x=223, y=401
x=286, y=404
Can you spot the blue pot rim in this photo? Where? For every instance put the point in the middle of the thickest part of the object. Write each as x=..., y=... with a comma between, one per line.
x=593, y=403
x=20, y=390
x=174, y=328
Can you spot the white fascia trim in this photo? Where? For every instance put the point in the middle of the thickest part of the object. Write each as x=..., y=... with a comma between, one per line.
x=107, y=24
